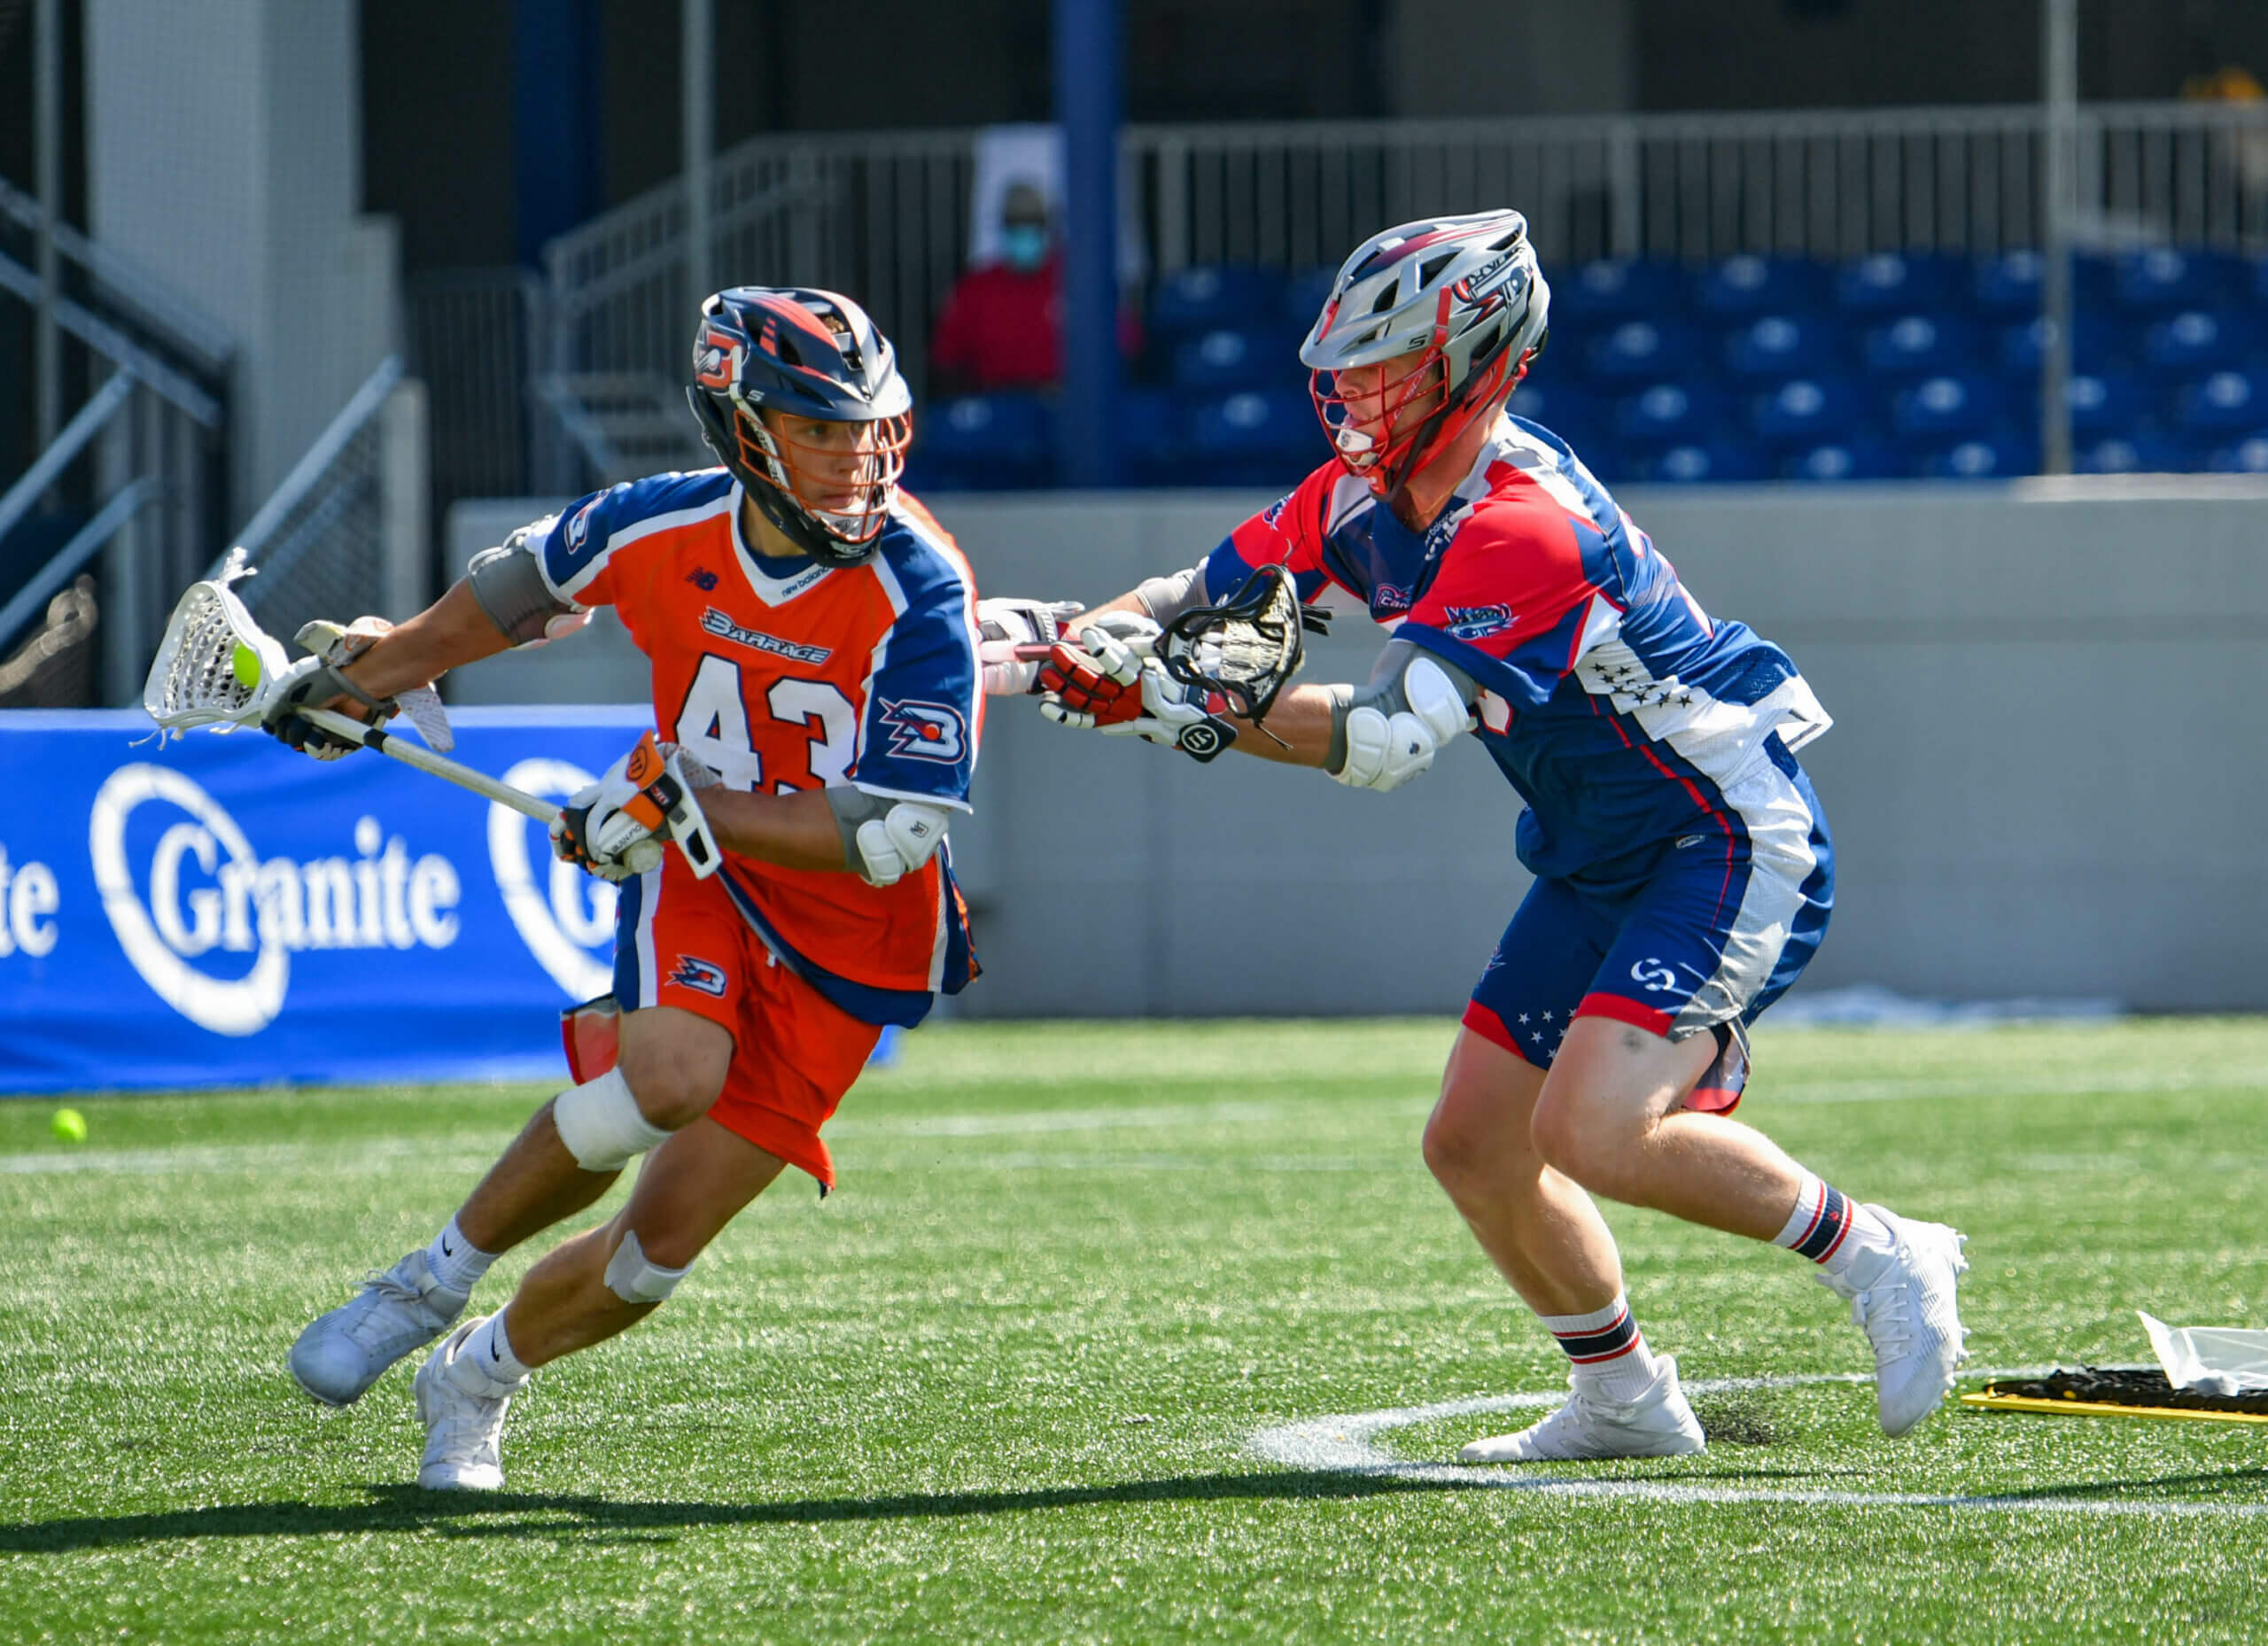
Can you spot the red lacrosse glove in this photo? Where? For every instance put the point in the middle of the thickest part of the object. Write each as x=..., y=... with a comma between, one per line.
x=1095, y=678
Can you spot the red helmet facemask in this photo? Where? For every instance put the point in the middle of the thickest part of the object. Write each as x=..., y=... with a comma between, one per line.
x=1387, y=467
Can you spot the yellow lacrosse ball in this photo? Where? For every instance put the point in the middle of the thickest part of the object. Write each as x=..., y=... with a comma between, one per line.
x=245, y=665
x=69, y=1126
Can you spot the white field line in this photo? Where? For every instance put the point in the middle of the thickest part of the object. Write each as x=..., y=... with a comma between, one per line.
x=1347, y=1444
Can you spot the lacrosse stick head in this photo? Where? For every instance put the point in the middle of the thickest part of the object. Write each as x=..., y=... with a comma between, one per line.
x=215, y=665
x=1246, y=647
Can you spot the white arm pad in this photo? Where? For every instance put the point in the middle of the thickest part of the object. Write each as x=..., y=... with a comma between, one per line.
x=892, y=846
x=1385, y=751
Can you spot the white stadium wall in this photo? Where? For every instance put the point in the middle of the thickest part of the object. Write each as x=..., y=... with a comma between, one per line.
x=2045, y=776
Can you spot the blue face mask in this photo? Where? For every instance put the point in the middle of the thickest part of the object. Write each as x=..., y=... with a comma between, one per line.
x=1023, y=245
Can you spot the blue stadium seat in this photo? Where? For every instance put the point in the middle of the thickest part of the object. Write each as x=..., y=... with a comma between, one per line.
x=1945, y=407
x=1810, y=411
x=2095, y=343
x=2161, y=278
x=2248, y=455
x=1151, y=442
x=1982, y=460
x=1776, y=347
x=2106, y=404
x=1225, y=297
x=2224, y=403
x=1303, y=298
x=2007, y=286
x=1609, y=290
x=1640, y=351
x=1758, y=285
x=1839, y=460
x=2197, y=341
x=1712, y=461
x=1888, y=283
x=2140, y=453
x=1568, y=412
x=1256, y=438
x=1919, y=345
x=984, y=442
x=1227, y=358
x=1668, y=411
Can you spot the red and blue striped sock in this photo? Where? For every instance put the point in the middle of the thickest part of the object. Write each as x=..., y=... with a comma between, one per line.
x=1606, y=1351
x=1831, y=1228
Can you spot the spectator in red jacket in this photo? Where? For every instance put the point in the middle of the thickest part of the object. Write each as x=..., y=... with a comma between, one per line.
x=1002, y=324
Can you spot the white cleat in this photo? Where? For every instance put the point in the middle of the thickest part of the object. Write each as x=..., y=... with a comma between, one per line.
x=462, y=1408
x=1912, y=1316
x=345, y=1352
x=1657, y=1423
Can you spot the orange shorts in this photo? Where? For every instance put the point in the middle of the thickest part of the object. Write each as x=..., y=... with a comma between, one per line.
x=679, y=942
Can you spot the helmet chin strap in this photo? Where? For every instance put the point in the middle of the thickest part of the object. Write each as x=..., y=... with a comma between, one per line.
x=1431, y=438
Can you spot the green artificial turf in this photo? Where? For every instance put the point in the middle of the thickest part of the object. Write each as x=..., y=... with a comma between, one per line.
x=1006, y=1384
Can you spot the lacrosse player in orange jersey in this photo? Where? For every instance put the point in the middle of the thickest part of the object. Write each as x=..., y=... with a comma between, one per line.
x=813, y=637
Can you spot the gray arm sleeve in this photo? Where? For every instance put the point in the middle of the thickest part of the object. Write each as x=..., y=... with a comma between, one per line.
x=508, y=586
x=1384, y=694
x=1167, y=598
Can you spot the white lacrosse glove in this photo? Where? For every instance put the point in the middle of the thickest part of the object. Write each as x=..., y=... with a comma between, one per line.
x=1385, y=751
x=1005, y=624
x=892, y=846
x=1089, y=680
x=617, y=826
x=1172, y=715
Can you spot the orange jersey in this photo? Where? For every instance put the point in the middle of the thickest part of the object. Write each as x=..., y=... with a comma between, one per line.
x=787, y=675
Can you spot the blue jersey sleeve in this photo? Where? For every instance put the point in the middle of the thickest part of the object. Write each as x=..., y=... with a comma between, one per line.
x=580, y=554
x=923, y=710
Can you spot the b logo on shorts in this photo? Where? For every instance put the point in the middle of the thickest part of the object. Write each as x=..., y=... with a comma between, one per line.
x=692, y=974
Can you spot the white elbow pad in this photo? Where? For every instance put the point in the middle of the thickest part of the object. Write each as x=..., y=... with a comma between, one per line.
x=1384, y=750
x=899, y=842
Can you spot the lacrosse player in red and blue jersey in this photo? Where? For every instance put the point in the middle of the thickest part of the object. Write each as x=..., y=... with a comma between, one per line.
x=1684, y=873
x=813, y=638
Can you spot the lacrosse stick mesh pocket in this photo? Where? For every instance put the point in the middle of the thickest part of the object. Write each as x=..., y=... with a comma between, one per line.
x=1247, y=647
x=193, y=680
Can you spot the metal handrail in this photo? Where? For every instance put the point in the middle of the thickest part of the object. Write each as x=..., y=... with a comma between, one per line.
x=201, y=337
x=68, y=560
x=49, y=466
x=120, y=349
x=308, y=471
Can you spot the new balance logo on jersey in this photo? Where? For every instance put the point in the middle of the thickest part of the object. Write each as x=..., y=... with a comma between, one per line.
x=702, y=579
x=1475, y=623
x=693, y=974
x=714, y=622
x=923, y=731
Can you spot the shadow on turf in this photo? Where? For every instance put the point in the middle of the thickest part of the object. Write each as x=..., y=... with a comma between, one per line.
x=408, y=1508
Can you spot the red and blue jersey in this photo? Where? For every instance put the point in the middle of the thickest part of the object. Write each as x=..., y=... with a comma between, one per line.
x=785, y=674
x=1621, y=711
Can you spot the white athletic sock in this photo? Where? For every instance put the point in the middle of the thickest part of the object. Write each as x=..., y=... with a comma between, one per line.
x=455, y=1262
x=1608, y=1353
x=489, y=1353
x=1834, y=1230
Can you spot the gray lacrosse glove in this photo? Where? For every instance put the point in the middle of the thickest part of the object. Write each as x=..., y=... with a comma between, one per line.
x=311, y=683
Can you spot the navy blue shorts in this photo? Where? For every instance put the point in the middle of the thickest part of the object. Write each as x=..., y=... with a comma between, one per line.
x=1727, y=920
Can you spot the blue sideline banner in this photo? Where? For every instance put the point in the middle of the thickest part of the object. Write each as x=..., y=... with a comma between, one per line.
x=222, y=912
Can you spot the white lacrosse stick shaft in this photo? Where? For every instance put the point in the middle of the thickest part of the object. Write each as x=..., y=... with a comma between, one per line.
x=432, y=764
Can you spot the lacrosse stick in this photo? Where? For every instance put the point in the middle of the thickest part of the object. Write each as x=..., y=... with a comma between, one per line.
x=1245, y=648
x=217, y=667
